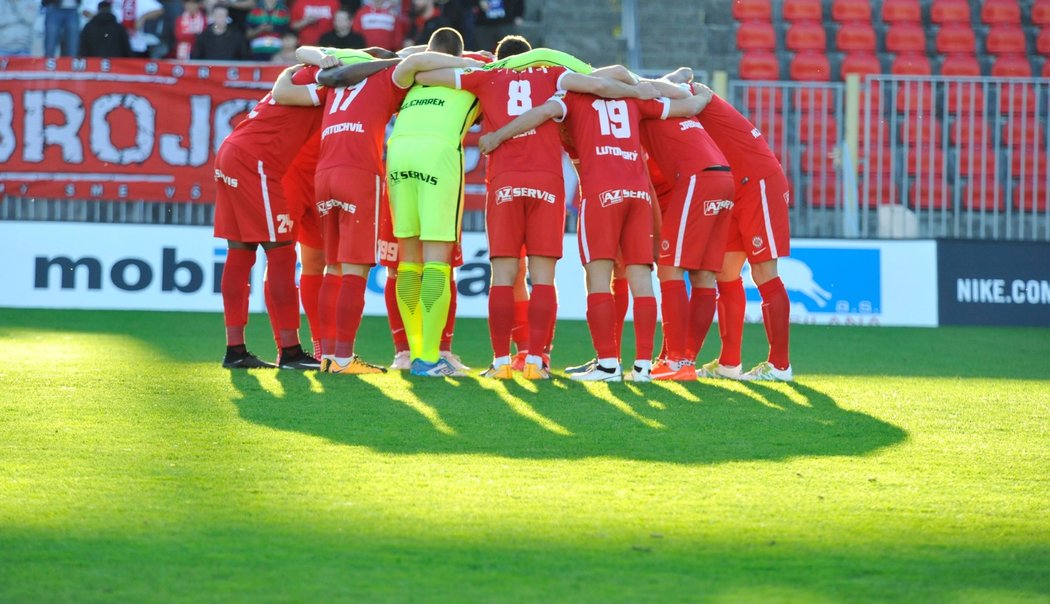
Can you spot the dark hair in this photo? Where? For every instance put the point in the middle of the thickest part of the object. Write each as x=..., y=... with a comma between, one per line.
x=512, y=45
x=105, y=7
x=446, y=40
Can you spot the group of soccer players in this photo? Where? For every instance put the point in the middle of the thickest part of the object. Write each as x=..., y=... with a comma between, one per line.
x=669, y=173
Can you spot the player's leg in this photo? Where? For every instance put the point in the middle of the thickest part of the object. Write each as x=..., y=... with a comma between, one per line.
x=701, y=313
x=520, y=332
x=621, y=291
x=409, y=284
x=674, y=306
x=731, y=305
x=435, y=297
x=283, y=295
x=405, y=211
x=311, y=279
x=449, y=331
x=598, y=236
x=505, y=272
x=388, y=258
x=543, y=312
x=351, y=305
x=328, y=311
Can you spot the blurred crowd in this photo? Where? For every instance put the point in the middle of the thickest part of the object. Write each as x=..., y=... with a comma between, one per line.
x=241, y=30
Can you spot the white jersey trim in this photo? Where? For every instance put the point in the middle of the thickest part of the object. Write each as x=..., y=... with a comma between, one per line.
x=682, y=222
x=583, y=232
x=765, y=217
x=312, y=89
x=266, y=202
x=564, y=108
x=667, y=107
x=557, y=84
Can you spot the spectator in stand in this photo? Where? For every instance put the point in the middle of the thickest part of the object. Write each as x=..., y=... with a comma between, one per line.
x=460, y=14
x=289, y=43
x=497, y=19
x=312, y=18
x=381, y=24
x=426, y=19
x=103, y=36
x=239, y=10
x=267, y=22
x=188, y=26
x=341, y=35
x=16, y=26
x=351, y=6
x=139, y=18
x=61, y=24
x=220, y=42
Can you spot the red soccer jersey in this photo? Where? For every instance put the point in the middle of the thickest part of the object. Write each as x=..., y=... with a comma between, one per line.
x=381, y=27
x=742, y=143
x=606, y=133
x=274, y=133
x=680, y=146
x=505, y=94
x=322, y=11
x=354, y=122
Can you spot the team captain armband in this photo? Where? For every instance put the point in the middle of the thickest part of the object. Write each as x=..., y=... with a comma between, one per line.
x=542, y=57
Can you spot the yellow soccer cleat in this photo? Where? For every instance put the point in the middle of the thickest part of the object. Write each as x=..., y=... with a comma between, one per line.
x=532, y=371
x=503, y=372
x=356, y=366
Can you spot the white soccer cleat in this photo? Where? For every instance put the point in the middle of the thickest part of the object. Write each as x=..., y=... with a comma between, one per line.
x=714, y=370
x=641, y=372
x=454, y=360
x=766, y=372
x=599, y=373
x=402, y=361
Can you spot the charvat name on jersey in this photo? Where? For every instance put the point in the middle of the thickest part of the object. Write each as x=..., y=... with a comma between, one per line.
x=399, y=175
x=615, y=196
x=418, y=102
x=326, y=206
x=226, y=179
x=505, y=194
x=712, y=207
x=616, y=151
x=687, y=124
x=344, y=127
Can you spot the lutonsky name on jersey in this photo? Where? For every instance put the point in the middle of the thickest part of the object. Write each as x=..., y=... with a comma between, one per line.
x=397, y=176
x=616, y=152
x=506, y=194
x=615, y=196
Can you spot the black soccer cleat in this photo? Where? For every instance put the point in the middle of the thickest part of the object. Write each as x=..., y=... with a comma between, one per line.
x=294, y=357
x=238, y=357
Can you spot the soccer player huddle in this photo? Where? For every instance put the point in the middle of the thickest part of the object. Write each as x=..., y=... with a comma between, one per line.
x=670, y=174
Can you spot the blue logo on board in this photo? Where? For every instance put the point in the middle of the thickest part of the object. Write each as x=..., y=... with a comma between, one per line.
x=829, y=280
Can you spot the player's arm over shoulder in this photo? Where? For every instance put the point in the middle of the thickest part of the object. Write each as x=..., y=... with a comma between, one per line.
x=405, y=74
x=349, y=75
x=286, y=92
x=553, y=109
x=692, y=104
x=604, y=87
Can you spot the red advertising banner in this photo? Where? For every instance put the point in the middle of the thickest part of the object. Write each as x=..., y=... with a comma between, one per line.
x=132, y=129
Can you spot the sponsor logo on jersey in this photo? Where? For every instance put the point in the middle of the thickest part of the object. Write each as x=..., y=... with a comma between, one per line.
x=343, y=127
x=688, y=124
x=712, y=207
x=615, y=196
x=755, y=132
x=423, y=102
x=326, y=206
x=757, y=242
x=397, y=176
x=232, y=182
x=505, y=194
x=616, y=152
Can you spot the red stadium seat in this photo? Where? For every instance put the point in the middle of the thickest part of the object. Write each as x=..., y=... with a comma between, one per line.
x=960, y=65
x=855, y=37
x=911, y=64
x=806, y=36
x=823, y=191
x=881, y=190
x=764, y=100
x=950, y=11
x=1024, y=131
x=1012, y=66
x=847, y=11
x=1046, y=69
x=929, y=193
x=1030, y=198
x=876, y=128
x=901, y=11
x=906, y=37
x=914, y=97
x=976, y=161
x=1042, y=42
x=803, y=10
x=756, y=35
x=878, y=160
x=753, y=10
x=1017, y=98
x=1041, y=13
x=821, y=100
x=956, y=38
x=925, y=160
x=771, y=125
x=965, y=132
x=818, y=161
x=861, y=64
x=1005, y=40
x=1026, y=162
x=818, y=128
x=965, y=97
x=811, y=66
x=1000, y=11
x=983, y=194
x=920, y=129
x=759, y=66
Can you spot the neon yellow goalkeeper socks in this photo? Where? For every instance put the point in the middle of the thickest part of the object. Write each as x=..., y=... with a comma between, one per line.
x=409, y=276
x=436, y=297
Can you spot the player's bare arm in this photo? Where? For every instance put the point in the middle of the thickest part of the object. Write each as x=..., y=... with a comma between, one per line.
x=286, y=93
x=314, y=55
x=380, y=53
x=692, y=105
x=682, y=75
x=607, y=87
x=671, y=90
x=616, y=72
x=437, y=77
x=532, y=118
x=405, y=74
x=348, y=75
x=408, y=51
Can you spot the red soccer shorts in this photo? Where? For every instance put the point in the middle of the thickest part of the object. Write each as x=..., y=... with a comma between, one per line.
x=759, y=223
x=348, y=201
x=696, y=221
x=525, y=209
x=249, y=201
x=299, y=190
x=617, y=220
x=387, y=241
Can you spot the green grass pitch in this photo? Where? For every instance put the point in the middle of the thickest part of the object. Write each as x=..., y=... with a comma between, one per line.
x=904, y=465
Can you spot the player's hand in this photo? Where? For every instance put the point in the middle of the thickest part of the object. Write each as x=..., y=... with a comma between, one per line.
x=488, y=143
x=646, y=91
x=328, y=62
x=488, y=55
x=473, y=63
